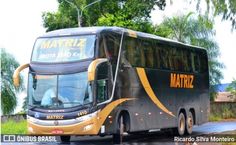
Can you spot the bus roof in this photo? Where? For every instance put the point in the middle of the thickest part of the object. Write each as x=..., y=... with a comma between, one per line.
x=99, y=29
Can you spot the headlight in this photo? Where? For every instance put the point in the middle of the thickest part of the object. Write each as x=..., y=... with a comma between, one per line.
x=88, y=116
x=30, y=130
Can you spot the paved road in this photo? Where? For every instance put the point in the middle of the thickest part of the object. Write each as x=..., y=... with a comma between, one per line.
x=153, y=138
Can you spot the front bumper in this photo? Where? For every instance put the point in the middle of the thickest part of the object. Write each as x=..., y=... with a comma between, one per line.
x=90, y=126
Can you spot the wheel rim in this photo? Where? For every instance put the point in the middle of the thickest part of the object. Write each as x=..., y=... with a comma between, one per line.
x=190, y=122
x=181, y=124
x=121, y=125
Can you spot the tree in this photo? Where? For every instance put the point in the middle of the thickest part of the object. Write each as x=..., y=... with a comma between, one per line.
x=232, y=89
x=8, y=91
x=130, y=13
x=195, y=31
x=225, y=8
x=66, y=16
x=123, y=21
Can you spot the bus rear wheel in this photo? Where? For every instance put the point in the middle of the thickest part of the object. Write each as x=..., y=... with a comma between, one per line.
x=65, y=138
x=117, y=137
x=181, y=124
x=189, y=123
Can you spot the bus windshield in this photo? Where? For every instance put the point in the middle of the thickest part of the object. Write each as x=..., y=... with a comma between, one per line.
x=64, y=49
x=59, y=91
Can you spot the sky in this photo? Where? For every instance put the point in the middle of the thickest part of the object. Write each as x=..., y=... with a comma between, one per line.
x=21, y=23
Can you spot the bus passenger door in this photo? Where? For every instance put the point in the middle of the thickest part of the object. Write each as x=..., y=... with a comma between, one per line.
x=103, y=91
x=103, y=82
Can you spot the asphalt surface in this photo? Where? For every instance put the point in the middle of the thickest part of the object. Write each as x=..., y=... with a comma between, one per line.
x=152, y=138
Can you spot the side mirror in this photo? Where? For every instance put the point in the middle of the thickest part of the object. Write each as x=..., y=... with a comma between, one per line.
x=16, y=78
x=92, y=68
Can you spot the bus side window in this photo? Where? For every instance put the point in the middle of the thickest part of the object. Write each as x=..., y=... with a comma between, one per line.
x=203, y=62
x=109, y=46
x=190, y=68
x=142, y=55
x=186, y=59
x=162, y=57
x=157, y=58
x=179, y=60
x=148, y=53
x=172, y=58
x=112, y=43
x=129, y=50
x=165, y=58
x=196, y=63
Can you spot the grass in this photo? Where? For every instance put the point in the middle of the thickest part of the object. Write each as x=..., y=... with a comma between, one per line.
x=13, y=127
x=214, y=118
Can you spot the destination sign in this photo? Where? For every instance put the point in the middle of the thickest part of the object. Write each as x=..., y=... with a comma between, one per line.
x=64, y=49
x=64, y=43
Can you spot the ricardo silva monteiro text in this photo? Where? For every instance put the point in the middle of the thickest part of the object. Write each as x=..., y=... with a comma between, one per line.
x=204, y=139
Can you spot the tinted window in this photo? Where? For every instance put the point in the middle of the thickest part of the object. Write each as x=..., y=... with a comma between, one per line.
x=186, y=60
x=157, y=56
x=195, y=57
x=132, y=51
x=109, y=46
x=148, y=53
x=165, y=52
x=203, y=62
x=102, y=81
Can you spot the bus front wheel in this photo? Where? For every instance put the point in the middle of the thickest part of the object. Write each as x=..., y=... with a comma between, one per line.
x=65, y=138
x=181, y=124
x=189, y=123
x=117, y=137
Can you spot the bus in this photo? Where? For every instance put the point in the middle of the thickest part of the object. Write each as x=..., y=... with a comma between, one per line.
x=111, y=80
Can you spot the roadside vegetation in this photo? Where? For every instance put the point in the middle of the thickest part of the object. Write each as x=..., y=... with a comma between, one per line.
x=13, y=127
x=8, y=90
x=222, y=111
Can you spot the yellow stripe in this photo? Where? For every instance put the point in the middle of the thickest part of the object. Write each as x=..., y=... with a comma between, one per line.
x=146, y=85
x=78, y=128
x=107, y=110
x=132, y=33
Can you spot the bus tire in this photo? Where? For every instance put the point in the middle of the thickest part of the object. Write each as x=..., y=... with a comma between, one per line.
x=65, y=138
x=181, y=124
x=189, y=123
x=118, y=136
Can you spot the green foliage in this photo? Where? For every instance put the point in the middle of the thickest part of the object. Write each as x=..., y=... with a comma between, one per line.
x=224, y=8
x=65, y=17
x=8, y=91
x=195, y=31
x=133, y=14
x=232, y=89
x=13, y=127
x=123, y=21
x=124, y=10
x=222, y=110
x=214, y=118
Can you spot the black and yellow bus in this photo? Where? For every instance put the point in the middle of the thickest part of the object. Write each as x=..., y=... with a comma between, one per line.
x=110, y=80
